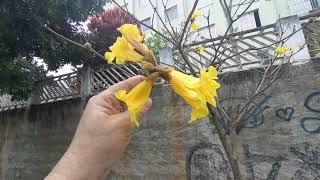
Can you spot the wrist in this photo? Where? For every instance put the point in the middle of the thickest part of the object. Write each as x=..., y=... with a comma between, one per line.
x=81, y=163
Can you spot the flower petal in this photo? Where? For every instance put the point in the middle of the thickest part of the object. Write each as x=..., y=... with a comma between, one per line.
x=132, y=31
x=123, y=51
x=197, y=92
x=136, y=98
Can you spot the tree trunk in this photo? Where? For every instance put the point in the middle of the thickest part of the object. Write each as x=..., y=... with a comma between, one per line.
x=227, y=144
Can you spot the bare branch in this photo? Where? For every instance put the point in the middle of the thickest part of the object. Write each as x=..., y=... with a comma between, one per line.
x=187, y=22
x=144, y=24
x=90, y=49
x=161, y=20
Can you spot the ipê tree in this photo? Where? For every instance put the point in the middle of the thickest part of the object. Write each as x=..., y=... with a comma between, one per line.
x=185, y=42
x=223, y=117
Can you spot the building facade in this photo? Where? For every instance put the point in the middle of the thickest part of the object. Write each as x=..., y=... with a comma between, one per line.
x=261, y=13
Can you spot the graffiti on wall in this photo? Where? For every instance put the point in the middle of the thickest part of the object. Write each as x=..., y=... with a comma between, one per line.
x=285, y=113
x=309, y=162
x=251, y=158
x=207, y=160
x=312, y=103
x=254, y=117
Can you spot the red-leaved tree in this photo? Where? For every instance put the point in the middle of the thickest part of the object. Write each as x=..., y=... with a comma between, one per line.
x=103, y=28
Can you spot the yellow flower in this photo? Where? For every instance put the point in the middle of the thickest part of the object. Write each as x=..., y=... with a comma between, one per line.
x=197, y=92
x=122, y=51
x=199, y=49
x=208, y=85
x=196, y=14
x=131, y=31
x=282, y=50
x=194, y=27
x=136, y=98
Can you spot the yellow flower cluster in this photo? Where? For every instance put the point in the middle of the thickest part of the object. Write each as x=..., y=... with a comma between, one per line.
x=196, y=15
x=122, y=50
x=197, y=92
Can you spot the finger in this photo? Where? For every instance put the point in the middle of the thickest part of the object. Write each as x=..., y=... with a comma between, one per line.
x=124, y=85
x=125, y=116
x=145, y=109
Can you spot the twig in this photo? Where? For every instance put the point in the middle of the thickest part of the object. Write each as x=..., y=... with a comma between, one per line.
x=161, y=20
x=144, y=24
x=187, y=22
x=229, y=27
x=74, y=43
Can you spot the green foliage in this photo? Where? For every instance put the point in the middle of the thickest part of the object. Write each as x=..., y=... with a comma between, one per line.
x=155, y=43
x=22, y=35
x=17, y=77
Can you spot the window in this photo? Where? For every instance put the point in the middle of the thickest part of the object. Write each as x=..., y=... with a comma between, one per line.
x=249, y=20
x=147, y=22
x=301, y=7
x=172, y=14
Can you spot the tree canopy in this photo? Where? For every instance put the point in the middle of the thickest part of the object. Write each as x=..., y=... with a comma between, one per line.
x=22, y=37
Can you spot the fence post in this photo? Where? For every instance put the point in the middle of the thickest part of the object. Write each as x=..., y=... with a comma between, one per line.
x=166, y=57
x=287, y=26
x=85, y=77
x=35, y=96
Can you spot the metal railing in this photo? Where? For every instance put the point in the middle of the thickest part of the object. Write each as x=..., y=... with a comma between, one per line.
x=56, y=89
x=246, y=49
x=312, y=35
x=7, y=104
x=85, y=82
x=105, y=77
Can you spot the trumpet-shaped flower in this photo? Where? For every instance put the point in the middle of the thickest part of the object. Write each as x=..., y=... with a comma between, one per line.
x=197, y=92
x=282, y=50
x=196, y=14
x=208, y=85
x=194, y=27
x=122, y=51
x=131, y=31
x=136, y=98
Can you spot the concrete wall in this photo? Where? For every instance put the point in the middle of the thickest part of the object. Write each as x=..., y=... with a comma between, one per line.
x=278, y=139
x=32, y=140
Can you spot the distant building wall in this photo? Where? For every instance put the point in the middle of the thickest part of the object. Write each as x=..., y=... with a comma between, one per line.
x=269, y=11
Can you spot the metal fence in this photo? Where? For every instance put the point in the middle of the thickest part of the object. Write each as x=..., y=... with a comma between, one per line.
x=59, y=88
x=105, y=77
x=73, y=85
x=312, y=35
x=238, y=49
x=7, y=104
x=251, y=48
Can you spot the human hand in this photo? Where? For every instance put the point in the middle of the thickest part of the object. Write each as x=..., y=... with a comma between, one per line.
x=101, y=138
